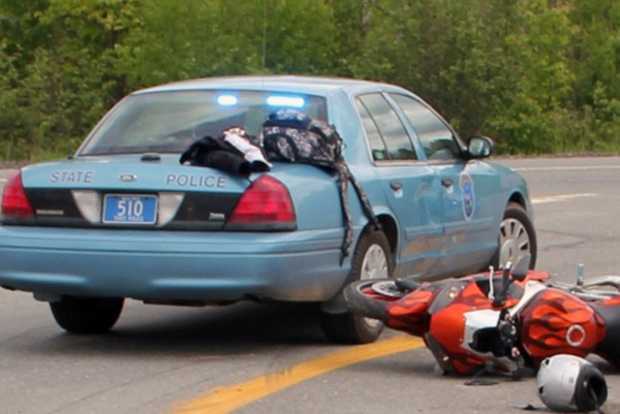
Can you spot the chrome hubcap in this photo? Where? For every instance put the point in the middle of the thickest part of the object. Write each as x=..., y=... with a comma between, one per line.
x=514, y=241
x=374, y=266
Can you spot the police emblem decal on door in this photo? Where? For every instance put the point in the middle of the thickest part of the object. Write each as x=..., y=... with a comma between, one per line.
x=469, y=195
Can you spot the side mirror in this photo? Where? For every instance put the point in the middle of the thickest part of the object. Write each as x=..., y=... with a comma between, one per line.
x=480, y=147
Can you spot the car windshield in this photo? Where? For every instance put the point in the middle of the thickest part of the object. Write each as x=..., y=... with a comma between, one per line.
x=168, y=122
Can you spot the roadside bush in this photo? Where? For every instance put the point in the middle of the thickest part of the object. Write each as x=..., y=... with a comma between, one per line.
x=539, y=76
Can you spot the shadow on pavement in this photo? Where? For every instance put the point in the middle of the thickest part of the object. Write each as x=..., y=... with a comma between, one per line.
x=235, y=329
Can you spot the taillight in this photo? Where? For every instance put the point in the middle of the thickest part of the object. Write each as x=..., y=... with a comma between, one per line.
x=15, y=203
x=266, y=204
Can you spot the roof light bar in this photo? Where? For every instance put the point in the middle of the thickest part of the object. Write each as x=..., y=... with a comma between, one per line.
x=289, y=101
x=227, y=100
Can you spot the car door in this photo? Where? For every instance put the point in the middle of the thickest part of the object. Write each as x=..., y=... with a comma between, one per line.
x=470, y=190
x=411, y=187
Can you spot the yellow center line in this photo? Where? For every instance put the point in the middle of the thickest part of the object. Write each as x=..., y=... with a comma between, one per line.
x=229, y=398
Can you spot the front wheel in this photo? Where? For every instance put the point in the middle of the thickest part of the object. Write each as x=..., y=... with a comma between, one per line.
x=87, y=315
x=517, y=237
x=371, y=260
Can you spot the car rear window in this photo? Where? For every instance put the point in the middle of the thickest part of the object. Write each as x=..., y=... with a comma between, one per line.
x=168, y=122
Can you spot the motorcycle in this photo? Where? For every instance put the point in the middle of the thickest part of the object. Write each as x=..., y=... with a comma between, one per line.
x=500, y=321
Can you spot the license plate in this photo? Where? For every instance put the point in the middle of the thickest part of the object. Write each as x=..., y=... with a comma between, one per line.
x=129, y=209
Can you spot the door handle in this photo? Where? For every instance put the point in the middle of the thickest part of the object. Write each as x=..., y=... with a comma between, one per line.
x=396, y=186
x=447, y=182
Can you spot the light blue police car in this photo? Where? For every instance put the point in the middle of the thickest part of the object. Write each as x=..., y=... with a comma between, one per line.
x=123, y=219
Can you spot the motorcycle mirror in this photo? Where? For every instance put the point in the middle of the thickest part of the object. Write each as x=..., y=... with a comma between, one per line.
x=520, y=269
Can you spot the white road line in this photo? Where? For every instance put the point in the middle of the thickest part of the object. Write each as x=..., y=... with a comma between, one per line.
x=560, y=197
x=570, y=168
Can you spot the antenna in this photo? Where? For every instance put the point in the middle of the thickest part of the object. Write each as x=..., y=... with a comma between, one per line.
x=264, y=33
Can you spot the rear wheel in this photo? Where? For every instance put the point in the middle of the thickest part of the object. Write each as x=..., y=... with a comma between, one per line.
x=87, y=315
x=517, y=237
x=371, y=298
x=371, y=260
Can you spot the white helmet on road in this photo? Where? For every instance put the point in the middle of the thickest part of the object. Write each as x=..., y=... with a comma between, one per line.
x=570, y=383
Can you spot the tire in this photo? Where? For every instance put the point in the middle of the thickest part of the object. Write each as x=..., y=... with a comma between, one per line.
x=347, y=327
x=87, y=315
x=515, y=213
x=362, y=304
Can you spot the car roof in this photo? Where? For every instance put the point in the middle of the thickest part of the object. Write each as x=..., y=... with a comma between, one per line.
x=311, y=85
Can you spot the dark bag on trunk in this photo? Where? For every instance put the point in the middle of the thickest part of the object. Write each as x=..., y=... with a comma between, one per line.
x=232, y=152
x=292, y=136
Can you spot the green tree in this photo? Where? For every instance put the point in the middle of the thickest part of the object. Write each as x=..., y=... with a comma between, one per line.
x=537, y=75
x=62, y=82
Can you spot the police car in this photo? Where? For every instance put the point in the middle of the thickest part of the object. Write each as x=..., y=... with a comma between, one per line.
x=122, y=218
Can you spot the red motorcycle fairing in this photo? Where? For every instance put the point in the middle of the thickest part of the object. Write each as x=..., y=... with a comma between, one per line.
x=615, y=301
x=448, y=303
x=556, y=322
x=410, y=314
x=447, y=328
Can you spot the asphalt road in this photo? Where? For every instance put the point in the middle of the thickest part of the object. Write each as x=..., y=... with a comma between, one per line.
x=157, y=358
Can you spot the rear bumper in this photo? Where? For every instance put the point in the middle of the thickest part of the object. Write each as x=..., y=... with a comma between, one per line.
x=160, y=265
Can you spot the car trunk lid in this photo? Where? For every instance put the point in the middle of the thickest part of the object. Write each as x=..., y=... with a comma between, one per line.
x=83, y=191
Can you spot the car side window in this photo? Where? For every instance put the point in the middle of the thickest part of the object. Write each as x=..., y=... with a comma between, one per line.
x=436, y=138
x=377, y=146
x=388, y=125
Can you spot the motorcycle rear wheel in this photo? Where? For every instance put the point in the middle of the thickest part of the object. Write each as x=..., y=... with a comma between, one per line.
x=368, y=304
